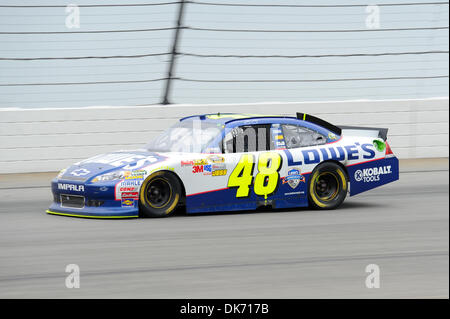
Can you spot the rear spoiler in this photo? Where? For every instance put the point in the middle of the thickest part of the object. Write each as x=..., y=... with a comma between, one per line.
x=312, y=119
x=365, y=131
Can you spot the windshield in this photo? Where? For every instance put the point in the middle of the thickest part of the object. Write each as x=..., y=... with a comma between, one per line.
x=191, y=136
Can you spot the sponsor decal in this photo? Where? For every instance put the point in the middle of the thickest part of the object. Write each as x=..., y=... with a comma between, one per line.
x=126, y=202
x=372, y=174
x=293, y=178
x=130, y=183
x=80, y=172
x=127, y=189
x=126, y=186
x=197, y=169
x=332, y=136
x=71, y=187
x=134, y=175
x=130, y=195
x=379, y=145
x=103, y=188
x=205, y=169
x=219, y=172
x=294, y=193
x=200, y=162
x=338, y=153
x=216, y=159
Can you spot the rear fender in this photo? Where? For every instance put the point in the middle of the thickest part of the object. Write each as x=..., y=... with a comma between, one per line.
x=372, y=174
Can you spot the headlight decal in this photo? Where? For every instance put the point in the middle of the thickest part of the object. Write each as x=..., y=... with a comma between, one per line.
x=112, y=176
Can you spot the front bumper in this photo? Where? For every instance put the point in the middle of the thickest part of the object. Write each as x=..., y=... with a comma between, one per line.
x=78, y=199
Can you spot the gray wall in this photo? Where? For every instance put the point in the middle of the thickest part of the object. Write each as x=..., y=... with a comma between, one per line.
x=42, y=140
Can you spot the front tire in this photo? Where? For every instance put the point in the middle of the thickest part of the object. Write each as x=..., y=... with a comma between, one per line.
x=160, y=195
x=327, y=186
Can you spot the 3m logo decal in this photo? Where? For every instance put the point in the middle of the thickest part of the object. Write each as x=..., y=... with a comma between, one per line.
x=197, y=169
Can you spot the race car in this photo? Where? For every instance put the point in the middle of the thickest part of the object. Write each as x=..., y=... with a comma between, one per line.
x=229, y=162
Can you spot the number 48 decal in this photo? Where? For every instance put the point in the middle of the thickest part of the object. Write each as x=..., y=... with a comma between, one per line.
x=266, y=180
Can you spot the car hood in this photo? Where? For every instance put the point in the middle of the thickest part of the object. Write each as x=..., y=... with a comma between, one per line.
x=104, y=163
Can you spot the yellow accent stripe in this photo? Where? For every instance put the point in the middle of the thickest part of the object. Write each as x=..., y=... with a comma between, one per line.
x=304, y=116
x=85, y=216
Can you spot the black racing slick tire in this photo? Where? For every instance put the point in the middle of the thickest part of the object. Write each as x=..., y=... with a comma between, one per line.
x=160, y=194
x=328, y=186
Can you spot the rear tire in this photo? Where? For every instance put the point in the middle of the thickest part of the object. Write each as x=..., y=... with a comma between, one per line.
x=160, y=195
x=328, y=186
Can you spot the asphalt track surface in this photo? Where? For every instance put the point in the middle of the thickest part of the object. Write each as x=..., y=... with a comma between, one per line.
x=402, y=227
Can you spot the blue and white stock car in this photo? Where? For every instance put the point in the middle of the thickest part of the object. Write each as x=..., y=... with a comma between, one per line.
x=228, y=162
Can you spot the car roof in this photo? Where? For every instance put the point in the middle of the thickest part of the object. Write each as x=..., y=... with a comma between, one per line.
x=237, y=119
x=224, y=118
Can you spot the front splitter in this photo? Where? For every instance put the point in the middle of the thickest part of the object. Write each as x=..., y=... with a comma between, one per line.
x=89, y=216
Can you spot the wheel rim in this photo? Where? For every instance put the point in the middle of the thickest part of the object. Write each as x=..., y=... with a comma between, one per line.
x=326, y=186
x=158, y=193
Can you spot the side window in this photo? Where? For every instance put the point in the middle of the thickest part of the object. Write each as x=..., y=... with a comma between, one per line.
x=247, y=138
x=298, y=136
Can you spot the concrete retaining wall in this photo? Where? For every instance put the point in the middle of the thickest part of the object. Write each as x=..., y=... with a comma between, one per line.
x=40, y=140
